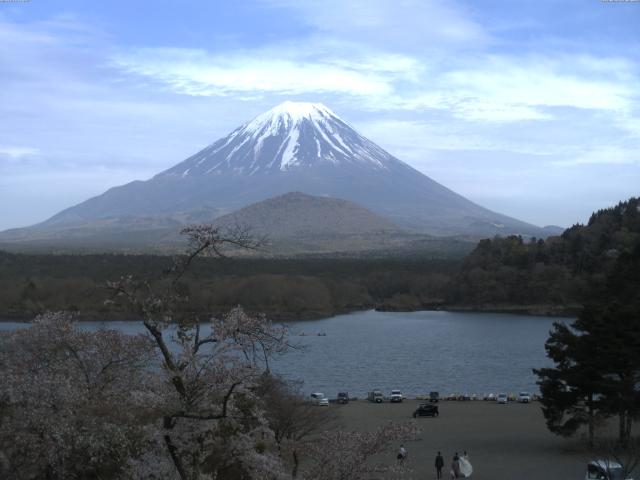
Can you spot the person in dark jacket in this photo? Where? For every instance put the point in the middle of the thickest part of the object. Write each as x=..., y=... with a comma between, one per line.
x=439, y=465
x=455, y=466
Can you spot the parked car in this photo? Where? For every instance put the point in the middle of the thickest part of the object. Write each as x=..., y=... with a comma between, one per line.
x=426, y=410
x=434, y=397
x=490, y=397
x=319, y=399
x=604, y=470
x=502, y=398
x=375, y=396
x=396, y=396
x=524, y=397
x=343, y=397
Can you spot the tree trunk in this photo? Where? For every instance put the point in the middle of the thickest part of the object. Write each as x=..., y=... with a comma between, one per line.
x=591, y=425
x=296, y=463
x=625, y=428
x=173, y=450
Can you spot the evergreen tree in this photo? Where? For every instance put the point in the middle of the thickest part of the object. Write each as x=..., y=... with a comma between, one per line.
x=571, y=391
x=616, y=323
x=597, y=358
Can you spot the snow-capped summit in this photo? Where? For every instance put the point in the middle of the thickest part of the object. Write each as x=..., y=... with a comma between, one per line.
x=290, y=135
x=294, y=112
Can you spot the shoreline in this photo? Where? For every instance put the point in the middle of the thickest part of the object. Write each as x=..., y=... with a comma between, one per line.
x=567, y=310
x=527, y=310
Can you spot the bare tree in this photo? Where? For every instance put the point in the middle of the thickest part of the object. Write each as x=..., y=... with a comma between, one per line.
x=292, y=419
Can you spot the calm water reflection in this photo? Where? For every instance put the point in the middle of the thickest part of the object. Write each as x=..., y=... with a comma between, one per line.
x=416, y=352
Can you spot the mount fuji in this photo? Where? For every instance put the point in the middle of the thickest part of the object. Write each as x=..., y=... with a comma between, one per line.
x=302, y=147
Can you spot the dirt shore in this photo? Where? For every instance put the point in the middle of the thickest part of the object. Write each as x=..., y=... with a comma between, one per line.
x=504, y=442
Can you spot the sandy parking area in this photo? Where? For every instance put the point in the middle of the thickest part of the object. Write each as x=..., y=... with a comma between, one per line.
x=503, y=441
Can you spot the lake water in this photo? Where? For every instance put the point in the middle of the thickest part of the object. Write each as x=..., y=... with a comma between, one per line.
x=416, y=352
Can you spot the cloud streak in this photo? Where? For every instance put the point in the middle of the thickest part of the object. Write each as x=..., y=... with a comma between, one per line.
x=196, y=72
x=15, y=153
x=494, y=88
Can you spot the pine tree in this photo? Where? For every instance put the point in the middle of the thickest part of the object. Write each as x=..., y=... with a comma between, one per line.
x=597, y=358
x=571, y=391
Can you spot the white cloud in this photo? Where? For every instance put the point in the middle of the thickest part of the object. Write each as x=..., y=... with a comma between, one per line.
x=196, y=72
x=505, y=89
x=15, y=153
x=481, y=88
x=542, y=82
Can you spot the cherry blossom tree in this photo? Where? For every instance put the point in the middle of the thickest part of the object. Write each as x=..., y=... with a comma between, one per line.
x=342, y=455
x=70, y=407
x=211, y=422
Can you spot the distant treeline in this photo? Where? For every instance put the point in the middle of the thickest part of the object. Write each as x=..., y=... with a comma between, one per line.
x=538, y=276
x=281, y=288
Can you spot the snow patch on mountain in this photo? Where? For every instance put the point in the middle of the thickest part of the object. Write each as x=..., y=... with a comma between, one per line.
x=291, y=135
x=288, y=117
x=289, y=155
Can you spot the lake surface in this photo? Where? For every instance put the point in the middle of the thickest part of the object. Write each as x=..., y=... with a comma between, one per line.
x=417, y=352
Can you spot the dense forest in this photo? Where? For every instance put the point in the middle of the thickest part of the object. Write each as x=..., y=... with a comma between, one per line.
x=552, y=276
x=281, y=288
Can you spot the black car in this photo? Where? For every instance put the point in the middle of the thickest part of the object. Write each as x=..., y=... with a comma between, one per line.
x=426, y=410
x=343, y=397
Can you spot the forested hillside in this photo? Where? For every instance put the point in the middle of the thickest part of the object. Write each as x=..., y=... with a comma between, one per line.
x=556, y=274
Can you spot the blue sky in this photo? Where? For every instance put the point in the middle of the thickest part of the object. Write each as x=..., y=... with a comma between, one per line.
x=530, y=108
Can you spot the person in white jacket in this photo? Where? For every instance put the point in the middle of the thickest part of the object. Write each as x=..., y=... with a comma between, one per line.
x=402, y=454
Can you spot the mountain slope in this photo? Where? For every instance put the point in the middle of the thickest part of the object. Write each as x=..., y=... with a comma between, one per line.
x=293, y=147
x=296, y=214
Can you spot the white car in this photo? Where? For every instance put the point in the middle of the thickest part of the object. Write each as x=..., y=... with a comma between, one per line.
x=396, y=396
x=319, y=399
x=502, y=398
x=524, y=397
x=605, y=470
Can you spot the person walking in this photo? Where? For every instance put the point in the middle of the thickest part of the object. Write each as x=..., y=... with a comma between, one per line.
x=402, y=454
x=455, y=467
x=466, y=469
x=439, y=465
